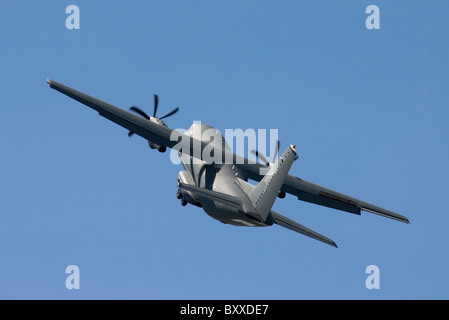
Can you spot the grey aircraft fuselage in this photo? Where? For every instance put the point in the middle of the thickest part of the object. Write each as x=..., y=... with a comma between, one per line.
x=222, y=178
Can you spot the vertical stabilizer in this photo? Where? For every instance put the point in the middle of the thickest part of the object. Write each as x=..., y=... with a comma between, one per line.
x=265, y=193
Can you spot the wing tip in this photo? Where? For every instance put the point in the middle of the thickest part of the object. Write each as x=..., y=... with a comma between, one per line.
x=387, y=214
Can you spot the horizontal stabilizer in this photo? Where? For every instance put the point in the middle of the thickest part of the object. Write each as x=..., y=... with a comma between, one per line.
x=292, y=225
x=224, y=198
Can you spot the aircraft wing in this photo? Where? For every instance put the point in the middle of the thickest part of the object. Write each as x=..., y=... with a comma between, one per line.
x=154, y=132
x=313, y=193
x=159, y=134
x=146, y=129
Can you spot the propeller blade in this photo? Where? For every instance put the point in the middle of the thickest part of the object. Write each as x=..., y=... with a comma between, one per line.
x=140, y=112
x=261, y=157
x=156, y=102
x=170, y=113
x=276, y=150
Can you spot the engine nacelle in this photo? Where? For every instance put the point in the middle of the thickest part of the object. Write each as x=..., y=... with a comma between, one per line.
x=185, y=178
x=158, y=147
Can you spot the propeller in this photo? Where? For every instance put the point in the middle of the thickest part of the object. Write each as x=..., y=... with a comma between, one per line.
x=264, y=159
x=170, y=113
x=142, y=113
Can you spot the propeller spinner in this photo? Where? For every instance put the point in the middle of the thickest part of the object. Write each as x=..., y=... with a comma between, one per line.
x=143, y=114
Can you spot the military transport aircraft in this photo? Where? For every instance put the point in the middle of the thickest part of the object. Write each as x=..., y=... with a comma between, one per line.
x=220, y=187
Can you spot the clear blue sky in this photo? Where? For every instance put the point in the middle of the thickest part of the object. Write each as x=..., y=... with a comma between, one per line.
x=367, y=110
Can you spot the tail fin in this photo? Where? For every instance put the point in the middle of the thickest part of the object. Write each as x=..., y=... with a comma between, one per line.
x=264, y=194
